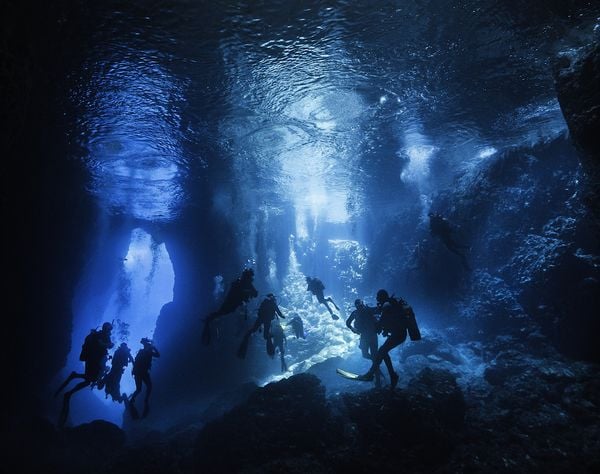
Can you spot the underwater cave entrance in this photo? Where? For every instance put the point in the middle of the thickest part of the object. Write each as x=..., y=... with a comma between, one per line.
x=145, y=284
x=130, y=295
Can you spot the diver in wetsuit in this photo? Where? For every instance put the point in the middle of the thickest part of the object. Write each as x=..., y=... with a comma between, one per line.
x=298, y=327
x=366, y=325
x=94, y=354
x=316, y=287
x=141, y=374
x=120, y=360
x=397, y=319
x=240, y=292
x=440, y=227
x=267, y=312
x=279, y=341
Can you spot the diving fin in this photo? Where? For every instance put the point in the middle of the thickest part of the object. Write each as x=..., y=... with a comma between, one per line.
x=270, y=347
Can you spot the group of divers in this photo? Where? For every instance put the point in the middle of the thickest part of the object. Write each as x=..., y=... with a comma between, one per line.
x=392, y=317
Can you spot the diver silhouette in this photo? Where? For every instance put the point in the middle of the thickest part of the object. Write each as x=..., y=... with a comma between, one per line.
x=440, y=227
x=94, y=354
x=141, y=374
x=267, y=311
x=397, y=318
x=240, y=292
x=298, y=327
x=279, y=342
x=366, y=325
x=316, y=287
x=120, y=359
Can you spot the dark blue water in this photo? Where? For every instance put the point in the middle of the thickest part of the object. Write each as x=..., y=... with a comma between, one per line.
x=299, y=102
x=304, y=126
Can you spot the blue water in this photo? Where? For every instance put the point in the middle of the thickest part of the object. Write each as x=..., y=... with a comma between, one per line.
x=300, y=101
x=302, y=125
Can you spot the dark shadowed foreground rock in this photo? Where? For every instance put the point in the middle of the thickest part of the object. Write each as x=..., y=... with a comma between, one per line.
x=290, y=425
x=40, y=447
x=521, y=411
x=287, y=419
x=414, y=428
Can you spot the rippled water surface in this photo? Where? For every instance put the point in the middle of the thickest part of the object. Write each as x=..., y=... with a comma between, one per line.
x=303, y=103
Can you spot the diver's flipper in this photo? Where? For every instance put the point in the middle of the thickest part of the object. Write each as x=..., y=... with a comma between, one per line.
x=394, y=380
x=347, y=375
x=146, y=410
x=64, y=412
x=270, y=347
x=334, y=316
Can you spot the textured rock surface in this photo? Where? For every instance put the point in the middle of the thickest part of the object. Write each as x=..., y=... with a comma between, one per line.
x=500, y=407
x=577, y=75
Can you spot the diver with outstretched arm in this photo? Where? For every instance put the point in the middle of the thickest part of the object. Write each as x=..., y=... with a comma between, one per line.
x=141, y=374
x=267, y=312
x=240, y=292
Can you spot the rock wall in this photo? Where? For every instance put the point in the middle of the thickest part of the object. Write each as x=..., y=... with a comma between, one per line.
x=576, y=75
x=48, y=216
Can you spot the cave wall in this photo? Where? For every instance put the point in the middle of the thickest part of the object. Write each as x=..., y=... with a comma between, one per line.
x=576, y=79
x=48, y=215
x=533, y=249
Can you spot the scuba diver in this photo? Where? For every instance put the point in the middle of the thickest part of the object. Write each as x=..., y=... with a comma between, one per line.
x=298, y=327
x=240, y=292
x=367, y=325
x=397, y=318
x=316, y=287
x=440, y=227
x=94, y=354
x=112, y=381
x=141, y=373
x=279, y=342
x=267, y=312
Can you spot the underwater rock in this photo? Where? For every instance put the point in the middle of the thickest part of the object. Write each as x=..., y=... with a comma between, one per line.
x=96, y=440
x=576, y=79
x=228, y=400
x=541, y=415
x=577, y=75
x=290, y=423
x=285, y=419
x=416, y=428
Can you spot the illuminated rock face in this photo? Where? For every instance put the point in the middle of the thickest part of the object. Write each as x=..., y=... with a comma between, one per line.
x=577, y=76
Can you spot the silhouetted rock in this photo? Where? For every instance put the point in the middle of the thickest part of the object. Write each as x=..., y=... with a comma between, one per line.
x=577, y=74
x=576, y=77
x=414, y=428
x=228, y=400
x=284, y=419
x=291, y=424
